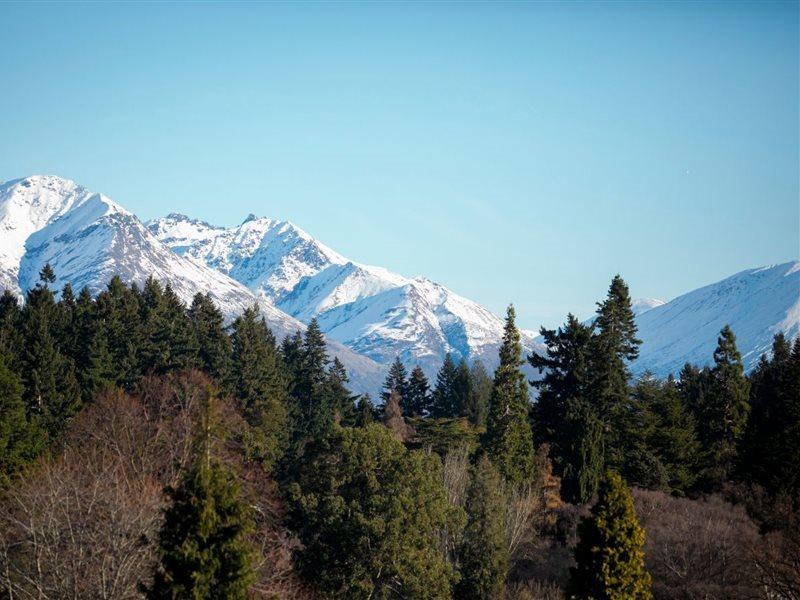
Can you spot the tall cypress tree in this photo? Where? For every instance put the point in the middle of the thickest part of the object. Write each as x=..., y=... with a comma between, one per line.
x=444, y=402
x=202, y=545
x=419, y=394
x=583, y=452
x=609, y=556
x=484, y=550
x=461, y=388
x=480, y=391
x=508, y=440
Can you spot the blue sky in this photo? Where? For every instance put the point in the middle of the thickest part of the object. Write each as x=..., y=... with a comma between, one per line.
x=519, y=152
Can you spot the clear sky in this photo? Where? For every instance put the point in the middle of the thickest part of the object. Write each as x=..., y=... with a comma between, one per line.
x=519, y=152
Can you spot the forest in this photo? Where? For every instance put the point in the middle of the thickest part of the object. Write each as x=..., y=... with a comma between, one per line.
x=149, y=449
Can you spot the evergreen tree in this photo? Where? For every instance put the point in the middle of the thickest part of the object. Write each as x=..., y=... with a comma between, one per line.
x=508, y=439
x=769, y=448
x=20, y=438
x=726, y=410
x=461, y=388
x=337, y=396
x=662, y=450
x=612, y=347
x=202, y=546
x=52, y=393
x=484, y=550
x=583, y=460
x=365, y=412
x=419, y=394
x=566, y=380
x=396, y=380
x=480, y=392
x=609, y=556
x=11, y=338
x=369, y=514
x=260, y=385
x=444, y=403
x=213, y=344
x=47, y=276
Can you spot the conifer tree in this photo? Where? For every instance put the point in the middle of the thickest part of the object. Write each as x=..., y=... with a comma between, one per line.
x=480, y=391
x=213, y=344
x=566, y=378
x=11, y=338
x=484, y=550
x=444, y=402
x=51, y=387
x=583, y=452
x=419, y=394
x=20, y=437
x=369, y=514
x=365, y=412
x=337, y=396
x=769, y=447
x=726, y=410
x=609, y=556
x=461, y=388
x=397, y=380
x=614, y=345
x=508, y=440
x=202, y=545
x=260, y=385
x=662, y=449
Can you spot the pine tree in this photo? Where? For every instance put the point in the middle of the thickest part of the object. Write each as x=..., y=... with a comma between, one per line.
x=260, y=385
x=566, y=379
x=20, y=438
x=444, y=403
x=419, y=394
x=213, y=344
x=508, y=439
x=461, y=388
x=47, y=276
x=583, y=452
x=609, y=556
x=769, y=447
x=662, y=449
x=202, y=546
x=337, y=396
x=369, y=514
x=365, y=412
x=52, y=393
x=484, y=550
x=480, y=392
x=726, y=411
x=11, y=338
x=396, y=380
x=614, y=345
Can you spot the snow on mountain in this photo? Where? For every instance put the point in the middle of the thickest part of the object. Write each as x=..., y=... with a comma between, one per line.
x=27, y=205
x=756, y=303
x=369, y=309
x=88, y=238
x=642, y=305
x=267, y=255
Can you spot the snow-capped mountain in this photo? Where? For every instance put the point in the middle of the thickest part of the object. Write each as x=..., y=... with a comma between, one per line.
x=756, y=303
x=642, y=305
x=369, y=309
x=88, y=238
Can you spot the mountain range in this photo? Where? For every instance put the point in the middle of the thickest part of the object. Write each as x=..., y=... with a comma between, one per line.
x=369, y=314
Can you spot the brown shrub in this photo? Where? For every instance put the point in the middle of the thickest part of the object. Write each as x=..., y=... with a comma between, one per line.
x=698, y=549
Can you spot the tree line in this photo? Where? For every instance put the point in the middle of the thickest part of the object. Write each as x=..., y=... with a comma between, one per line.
x=454, y=489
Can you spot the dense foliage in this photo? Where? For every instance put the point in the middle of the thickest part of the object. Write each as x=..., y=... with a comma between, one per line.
x=110, y=485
